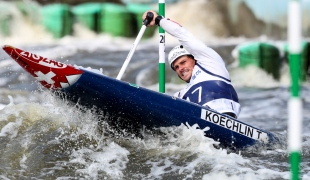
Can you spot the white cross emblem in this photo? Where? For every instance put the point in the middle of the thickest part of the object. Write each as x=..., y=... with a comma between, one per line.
x=45, y=77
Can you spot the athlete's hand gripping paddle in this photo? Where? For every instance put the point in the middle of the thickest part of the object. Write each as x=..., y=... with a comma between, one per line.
x=147, y=20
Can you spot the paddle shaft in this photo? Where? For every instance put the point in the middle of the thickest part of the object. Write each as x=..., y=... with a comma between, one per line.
x=146, y=21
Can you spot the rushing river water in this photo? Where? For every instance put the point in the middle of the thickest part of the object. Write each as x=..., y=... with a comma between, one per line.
x=44, y=137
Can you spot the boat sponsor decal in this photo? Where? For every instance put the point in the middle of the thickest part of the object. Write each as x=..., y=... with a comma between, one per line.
x=48, y=78
x=42, y=61
x=45, y=77
x=71, y=79
x=233, y=125
x=50, y=73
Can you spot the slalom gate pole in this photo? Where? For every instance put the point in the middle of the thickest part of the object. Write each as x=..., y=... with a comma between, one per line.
x=161, y=64
x=295, y=103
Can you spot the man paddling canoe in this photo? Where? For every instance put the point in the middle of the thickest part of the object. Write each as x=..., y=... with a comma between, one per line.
x=201, y=67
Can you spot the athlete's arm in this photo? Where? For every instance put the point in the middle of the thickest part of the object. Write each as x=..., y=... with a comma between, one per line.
x=204, y=55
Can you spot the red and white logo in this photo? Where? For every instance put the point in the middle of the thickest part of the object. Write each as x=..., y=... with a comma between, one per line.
x=50, y=73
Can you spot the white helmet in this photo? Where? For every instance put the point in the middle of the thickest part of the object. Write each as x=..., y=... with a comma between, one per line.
x=177, y=52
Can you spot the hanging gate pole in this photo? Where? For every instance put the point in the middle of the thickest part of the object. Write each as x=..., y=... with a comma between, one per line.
x=161, y=52
x=294, y=104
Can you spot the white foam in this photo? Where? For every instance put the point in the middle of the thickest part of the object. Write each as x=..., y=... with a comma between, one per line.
x=252, y=76
x=11, y=101
x=22, y=162
x=2, y=106
x=4, y=177
x=111, y=159
x=10, y=129
x=185, y=145
x=97, y=71
x=23, y=30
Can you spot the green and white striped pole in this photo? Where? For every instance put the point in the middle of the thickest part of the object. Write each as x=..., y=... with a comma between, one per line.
x=294, y=104
x=161, y=65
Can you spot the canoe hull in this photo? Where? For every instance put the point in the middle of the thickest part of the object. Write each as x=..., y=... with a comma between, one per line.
x=137, y=105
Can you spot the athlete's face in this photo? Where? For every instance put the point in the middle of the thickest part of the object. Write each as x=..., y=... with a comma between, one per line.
x=184, y=66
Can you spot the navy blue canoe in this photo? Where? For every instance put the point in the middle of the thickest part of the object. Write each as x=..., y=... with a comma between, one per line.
x=137, y=105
